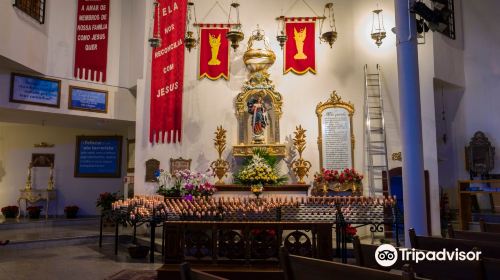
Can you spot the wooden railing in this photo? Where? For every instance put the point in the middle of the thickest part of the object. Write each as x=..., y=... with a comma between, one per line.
x=246, y=241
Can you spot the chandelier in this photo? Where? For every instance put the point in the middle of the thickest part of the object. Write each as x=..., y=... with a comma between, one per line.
x=329, y=36
x=378, y=30
x=234, y=35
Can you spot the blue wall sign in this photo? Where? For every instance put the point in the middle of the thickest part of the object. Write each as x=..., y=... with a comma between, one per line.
x=98, y=156
x=35, y=90
x=88, y=99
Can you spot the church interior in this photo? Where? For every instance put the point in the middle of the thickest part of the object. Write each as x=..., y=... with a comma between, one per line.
x=225, y=139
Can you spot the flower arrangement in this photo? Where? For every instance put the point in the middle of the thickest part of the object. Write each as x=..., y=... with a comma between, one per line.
x=326, y=175
x=345, y=176
x=106, y=199
x=10, y=211
x=184, y=183
x=350, y=176
x=34, y=211
x=71, y=211
x=261, y=169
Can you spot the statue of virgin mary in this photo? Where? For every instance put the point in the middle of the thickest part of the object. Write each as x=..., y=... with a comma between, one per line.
x=260, y=119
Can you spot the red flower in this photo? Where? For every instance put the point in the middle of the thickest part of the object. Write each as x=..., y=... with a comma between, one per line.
x=350, y=230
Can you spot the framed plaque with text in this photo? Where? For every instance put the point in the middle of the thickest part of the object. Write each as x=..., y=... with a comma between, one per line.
x=336, y=138
x=98, y=156
x=35, y=90
x=86, y=99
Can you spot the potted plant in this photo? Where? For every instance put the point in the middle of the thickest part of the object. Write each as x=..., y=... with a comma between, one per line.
x=184, y=183
x=71, y=211
x=34, y=211
x=106, y=199
x=350, y=231
x=10, y=211
x=138, y=251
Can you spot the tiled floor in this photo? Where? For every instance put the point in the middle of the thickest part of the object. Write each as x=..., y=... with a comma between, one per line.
x=68, y=262
x=42, y=233
x=31, y=230
x=23, y=259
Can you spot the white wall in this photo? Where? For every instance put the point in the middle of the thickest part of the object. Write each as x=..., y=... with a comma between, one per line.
x=16, y=147
x=24, y=40
x=479, y=107
x=450, y=161
x=340, y=68
x=470, y=101
x=475, y=107
x=208, y=104
x=121, y=104
x=448, y=53
x=49, y=50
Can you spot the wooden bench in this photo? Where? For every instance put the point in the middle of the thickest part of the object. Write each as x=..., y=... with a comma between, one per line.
x=303, y=268
x=488, y=249
x=490, y=269
x=364, y=255
x=192, y=274
x=489, y=227
x=472, y=235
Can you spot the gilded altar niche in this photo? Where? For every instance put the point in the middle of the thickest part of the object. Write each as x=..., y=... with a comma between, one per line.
x=258, y=105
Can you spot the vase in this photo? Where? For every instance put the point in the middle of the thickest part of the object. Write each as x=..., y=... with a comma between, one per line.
x=138, y=252
x=301, y=167
x=334, y=186
x=220, y=167
x=356, y=188
x=34, y=215
x=257, y=189
x=71, y=214
x=9, y=215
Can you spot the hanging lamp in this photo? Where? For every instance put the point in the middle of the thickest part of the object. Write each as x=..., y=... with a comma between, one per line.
x=155, y=40
x=189, y=40
x=281, y=36
x=378, y=29
x=234, y=35
x=329, y=36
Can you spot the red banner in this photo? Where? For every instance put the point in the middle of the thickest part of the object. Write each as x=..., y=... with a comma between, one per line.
x=167, y=75
x=300, y=56
x=214, y=53
x=91, y=51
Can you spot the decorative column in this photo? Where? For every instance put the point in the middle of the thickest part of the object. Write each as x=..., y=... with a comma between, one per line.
x=411, y=120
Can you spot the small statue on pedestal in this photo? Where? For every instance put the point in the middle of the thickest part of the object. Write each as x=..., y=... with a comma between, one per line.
x=260, y=119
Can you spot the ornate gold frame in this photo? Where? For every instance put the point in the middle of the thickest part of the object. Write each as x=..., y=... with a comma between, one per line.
x=257, y=61
x=241, y=100
x=335, y=101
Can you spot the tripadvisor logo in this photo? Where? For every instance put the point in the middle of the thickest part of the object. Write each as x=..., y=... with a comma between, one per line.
x=387, y=255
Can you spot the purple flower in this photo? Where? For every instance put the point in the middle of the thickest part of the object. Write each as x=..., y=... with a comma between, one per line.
x=188, y=197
